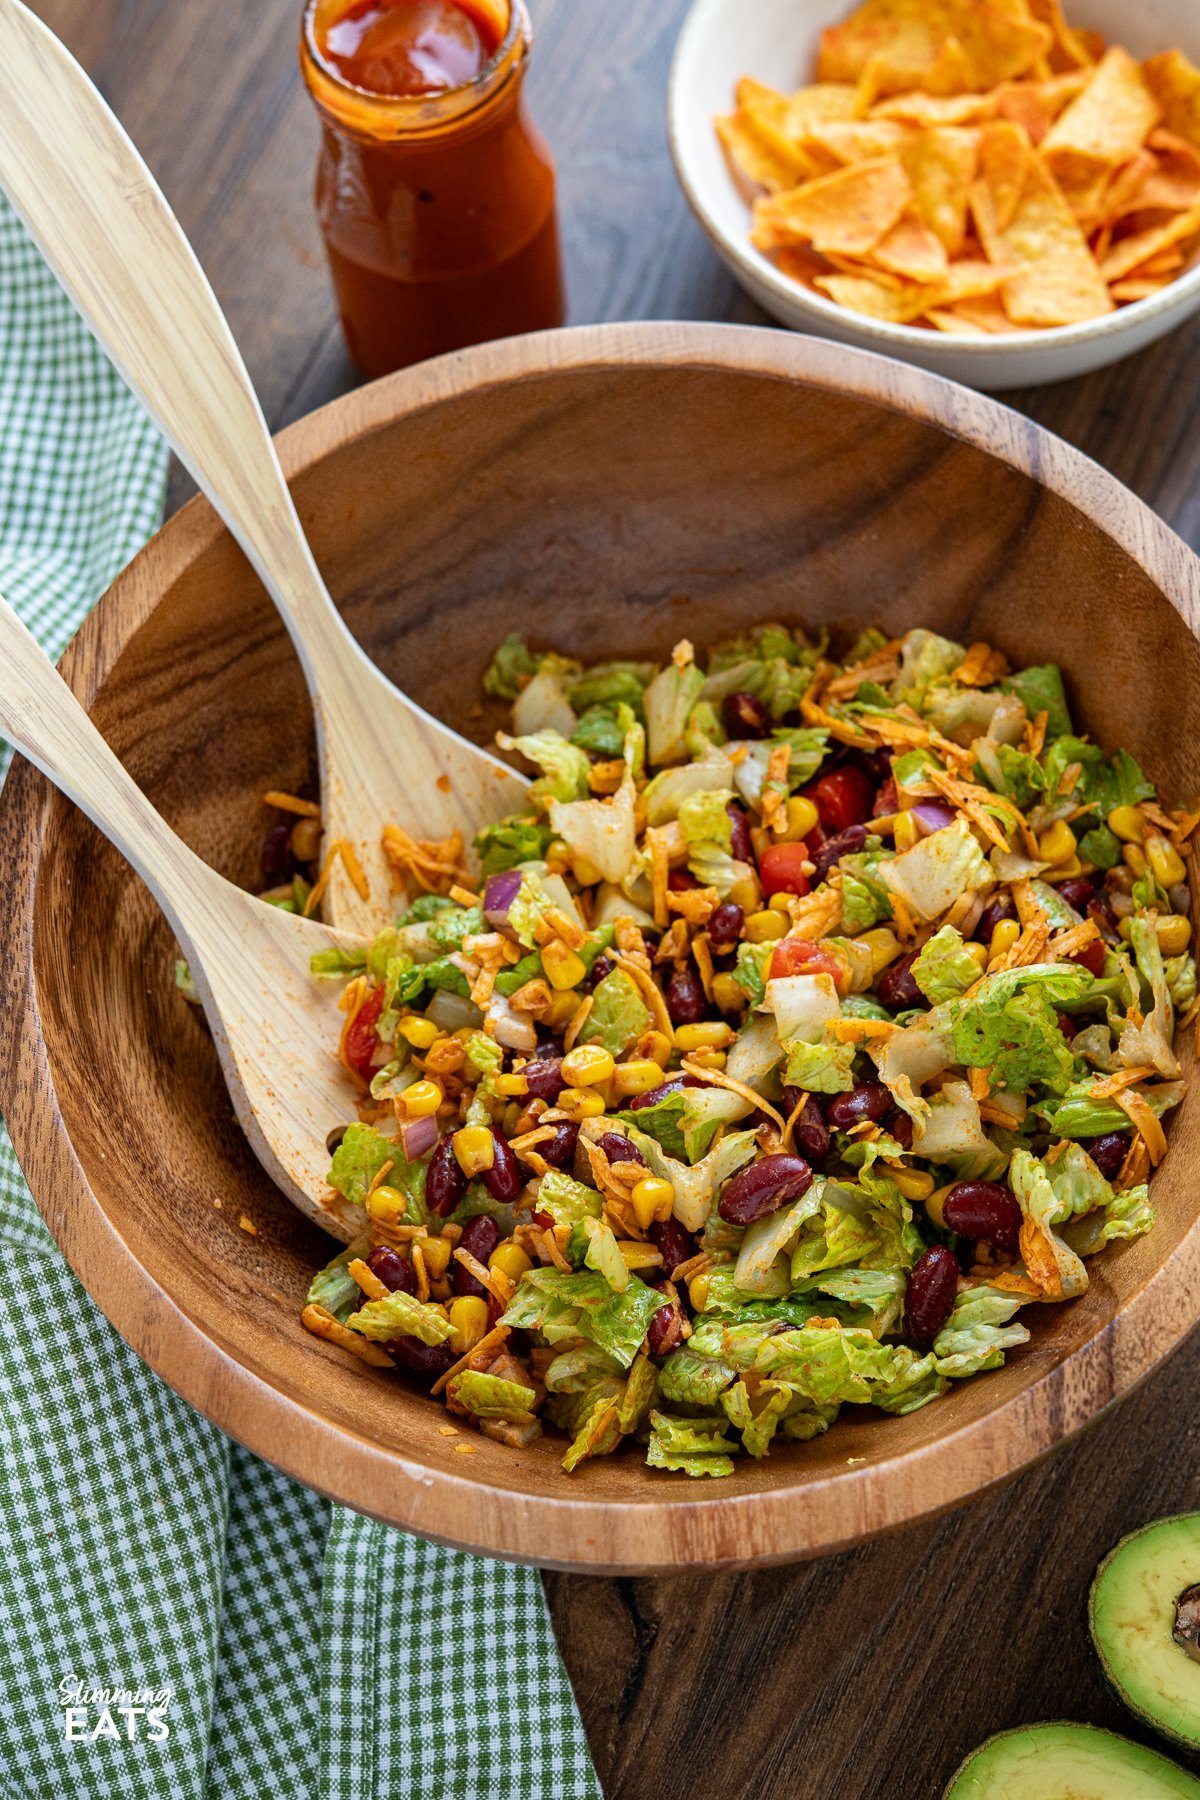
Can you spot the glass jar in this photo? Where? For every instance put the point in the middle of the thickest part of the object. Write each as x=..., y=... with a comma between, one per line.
x=437, y=209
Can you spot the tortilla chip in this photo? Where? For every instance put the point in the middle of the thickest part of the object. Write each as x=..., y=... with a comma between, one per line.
x=846, y=212
x=933, y=110
x=1071, y=49
x=1167, y=262
x=911, y=249
x=1130, y=290
x=981, y=313
x=1111, y=119
x=801, y=263
x=819, y=104
x=940, y=46
x=1057, y=280
x=1036, y=104
x=759, y=163
x=1175, y=83
x=1165, y=177
x=941, y=165
x=857, y=140
x=1005, y=159
x=1128, y=253
x=861, y=293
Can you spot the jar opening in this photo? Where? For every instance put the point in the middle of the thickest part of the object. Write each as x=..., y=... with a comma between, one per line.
x=323, y=16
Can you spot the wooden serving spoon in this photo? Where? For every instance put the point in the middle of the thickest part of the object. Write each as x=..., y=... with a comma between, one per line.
x=103, y=224
x=275, y=1026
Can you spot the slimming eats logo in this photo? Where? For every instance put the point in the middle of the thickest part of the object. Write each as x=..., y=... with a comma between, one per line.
x=94, y=1712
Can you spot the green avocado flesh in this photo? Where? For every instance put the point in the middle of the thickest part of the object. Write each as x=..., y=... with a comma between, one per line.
x=1068, y=1762
x=1132, y=1614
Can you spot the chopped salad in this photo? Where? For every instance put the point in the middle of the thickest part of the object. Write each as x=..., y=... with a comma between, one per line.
x=813, y=1024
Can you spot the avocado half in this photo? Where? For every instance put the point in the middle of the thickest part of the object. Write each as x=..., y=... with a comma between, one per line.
x=1144, y=1615
x=1068, y=1762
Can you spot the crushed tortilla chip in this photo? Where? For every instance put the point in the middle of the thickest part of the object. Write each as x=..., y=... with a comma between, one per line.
x=848, y=211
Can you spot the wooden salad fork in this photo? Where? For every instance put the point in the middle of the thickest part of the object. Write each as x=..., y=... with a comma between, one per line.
x=103, y=224
x=275, y=1026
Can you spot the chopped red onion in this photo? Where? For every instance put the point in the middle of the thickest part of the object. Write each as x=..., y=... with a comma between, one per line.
x=417, y=1136
x=498, y=896
x=932, y=815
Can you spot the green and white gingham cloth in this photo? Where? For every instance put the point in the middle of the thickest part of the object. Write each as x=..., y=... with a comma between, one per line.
x=303, y=1651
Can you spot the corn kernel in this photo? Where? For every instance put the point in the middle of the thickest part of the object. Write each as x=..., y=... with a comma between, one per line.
x=421, y=1099
x=709, y=1059
x=914, y=1184
x=802, y=817
x=781, y=903
x=762, y=927
x=587, y=1065
x=440, y=1289
x=639, y=1256
x=1057, y=843
x=564, y=968
x=1127, y=823
x=509, y=1259
x=1003, y=938
x=1174, y=933
x=436, y=1251
x=935, y=1202
x=513, y=1085
x=474, y=1150
x=907, y=831
x=652, y=1199
x=1125, y=929
x=884, y=946
x=745, y=893
x=729, y=994
x=978, y=954
x=557, y=851
x=580, y=1103
x=658, y=1047
x=469, y=1317
x=698, y=1292
x=585, y=871
x=637, y=1077
x=1166, y=864
x=1135, y=858
x=1065, y=871
x=561, y=1010
x=387, y=1205
x=712, y=1035
x=418, y=1031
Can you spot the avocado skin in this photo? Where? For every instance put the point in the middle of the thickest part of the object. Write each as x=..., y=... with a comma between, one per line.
x=974, y=1778
x=1180, y=1535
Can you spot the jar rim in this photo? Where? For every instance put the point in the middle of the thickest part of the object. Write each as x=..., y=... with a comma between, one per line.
x=398, y=107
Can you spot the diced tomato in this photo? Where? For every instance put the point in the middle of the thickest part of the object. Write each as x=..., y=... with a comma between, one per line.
x=887, y=800
x=782, y=869
x=844, y=797
x=796, y=956
x=1091, y=957
x=360, y=1042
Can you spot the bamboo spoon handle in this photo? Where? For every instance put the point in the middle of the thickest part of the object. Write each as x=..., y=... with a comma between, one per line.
x=102, y=222
x=42, y=717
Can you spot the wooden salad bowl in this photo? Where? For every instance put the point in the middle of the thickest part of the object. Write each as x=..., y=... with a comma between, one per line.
x=608, y=491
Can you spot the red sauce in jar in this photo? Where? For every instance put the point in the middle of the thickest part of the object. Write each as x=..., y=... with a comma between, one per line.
x=435, y=191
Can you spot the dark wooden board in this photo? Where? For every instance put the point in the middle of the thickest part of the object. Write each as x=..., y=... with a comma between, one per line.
x=871, y=1673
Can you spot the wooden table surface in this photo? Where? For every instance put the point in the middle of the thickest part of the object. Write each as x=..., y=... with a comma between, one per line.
x=872, y=1673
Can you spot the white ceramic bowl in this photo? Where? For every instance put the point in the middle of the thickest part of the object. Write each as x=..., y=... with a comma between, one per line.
x=776, y=41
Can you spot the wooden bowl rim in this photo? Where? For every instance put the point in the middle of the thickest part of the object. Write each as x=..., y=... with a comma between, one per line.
x=652, y=1534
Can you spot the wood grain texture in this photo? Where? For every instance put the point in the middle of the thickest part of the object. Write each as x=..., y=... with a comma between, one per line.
x=867, y=1674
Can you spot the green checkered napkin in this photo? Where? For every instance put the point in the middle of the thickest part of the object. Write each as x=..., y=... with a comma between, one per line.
x=309, y=1652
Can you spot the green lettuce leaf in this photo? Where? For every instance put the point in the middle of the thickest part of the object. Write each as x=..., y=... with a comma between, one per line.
x=750, y=969
x=668, y=700
x=512, y=842
x=358, y=1159
x=334, y=1288
x=401, y=1315
x=978, y=1332
x=619, y=1015
x=583, y=1305
x=565, y=767
x=455, y=924
x=689, y=1446
x=865, y=898
x=610, y=684
x=820, y=1068
x=1080, y=1115
x=337, y=963
x=694, y=1380
x=703, y=818
x=936, y=871
x=696, y=1188
x=510, y=668
x=599, y=732
x=489, y=1397
x=1151, y=1041
x=1041, y=690
x=944, y=968
x=1127, y=1215
x=567, y=1201
x=1010, y=1026
x=925, y=658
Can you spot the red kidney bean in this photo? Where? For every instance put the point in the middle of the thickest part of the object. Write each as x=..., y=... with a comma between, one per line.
x=1108, y=1152
x=602, y=967
x=544, y=1078
x=680, y=881
x=1103, y=911
x=741, y=846
x=932, y=1288
x=549, y=1044
x=810, y=1131
x=870, y=1101
x=984, y=1209
x=991, y=916
x=426, y=1360
x=665, y=1331
x=846, y=843
x=1077, y=892
x=618, y=1148
x=898, y=1125
x=276, y=854
x=1091, y=957
x=897, y=986
x=445, y=1183
x=745, y=716
x=725, y=926
x=674, y=1241
x=559, y=1151
x=1067, y=1025
x=395, y=1271
x=887, y=800
x=503, y=1180
x=480, y=1236
x=654, y=1095
x=685, y=997
x=763, y=1188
